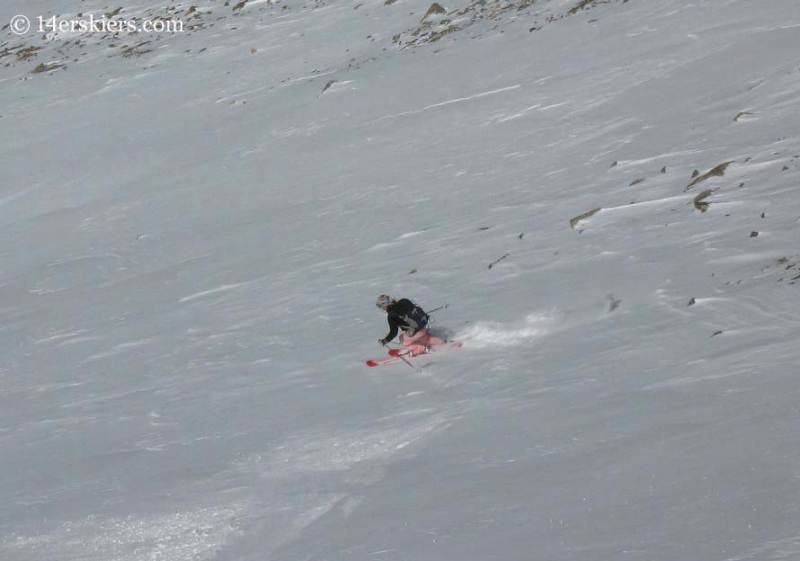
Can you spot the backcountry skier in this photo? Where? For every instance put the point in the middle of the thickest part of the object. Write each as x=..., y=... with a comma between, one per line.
x=412, y=320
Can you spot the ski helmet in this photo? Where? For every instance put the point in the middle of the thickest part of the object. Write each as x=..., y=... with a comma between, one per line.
x=383, y=301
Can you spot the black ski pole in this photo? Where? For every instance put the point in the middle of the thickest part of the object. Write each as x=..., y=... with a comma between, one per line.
x=439, y=308
x=403, y=358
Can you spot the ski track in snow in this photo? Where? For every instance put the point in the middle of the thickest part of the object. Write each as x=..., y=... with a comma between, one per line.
x=446, y=103
x=213, y=291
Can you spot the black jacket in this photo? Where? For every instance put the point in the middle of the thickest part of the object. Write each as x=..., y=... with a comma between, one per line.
x=396, y=313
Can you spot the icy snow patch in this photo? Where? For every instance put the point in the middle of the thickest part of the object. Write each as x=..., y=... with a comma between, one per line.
x=182, y=536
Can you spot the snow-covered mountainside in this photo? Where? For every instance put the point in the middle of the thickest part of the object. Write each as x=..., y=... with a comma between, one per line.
x=195, y=224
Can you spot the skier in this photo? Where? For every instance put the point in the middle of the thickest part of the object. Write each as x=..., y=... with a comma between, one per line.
x=404, y=314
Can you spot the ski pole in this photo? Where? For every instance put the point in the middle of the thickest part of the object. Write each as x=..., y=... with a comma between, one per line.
x=439, y=308
x=401, y=357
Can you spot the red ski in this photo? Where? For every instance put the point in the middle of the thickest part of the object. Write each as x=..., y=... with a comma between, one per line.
x=373, y=363
x=400, y=354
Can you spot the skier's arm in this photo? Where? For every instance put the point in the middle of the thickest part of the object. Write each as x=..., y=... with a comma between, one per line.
x=392, y=329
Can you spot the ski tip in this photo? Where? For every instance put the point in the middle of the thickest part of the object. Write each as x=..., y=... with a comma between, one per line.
x=394, y=352
x=372, y=363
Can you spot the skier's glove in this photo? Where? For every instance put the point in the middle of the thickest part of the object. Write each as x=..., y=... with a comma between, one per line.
x=382, y=342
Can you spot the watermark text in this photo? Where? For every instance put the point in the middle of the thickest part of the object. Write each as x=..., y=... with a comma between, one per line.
x=20, y=25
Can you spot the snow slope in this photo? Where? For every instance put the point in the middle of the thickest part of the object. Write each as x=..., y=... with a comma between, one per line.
x=194, y=227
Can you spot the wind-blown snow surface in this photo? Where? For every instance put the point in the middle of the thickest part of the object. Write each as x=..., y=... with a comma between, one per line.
x=193, y=231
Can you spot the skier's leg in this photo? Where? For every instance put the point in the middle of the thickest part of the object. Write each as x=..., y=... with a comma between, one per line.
x=431, y=340
x=415, y=343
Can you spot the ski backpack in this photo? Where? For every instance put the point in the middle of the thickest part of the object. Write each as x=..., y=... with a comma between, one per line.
x=417, y=319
